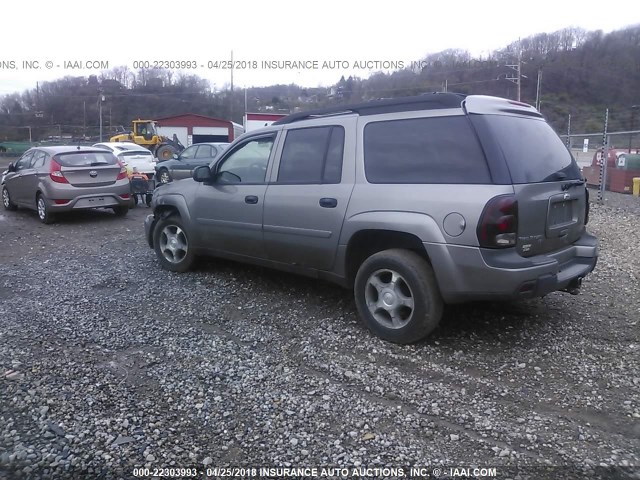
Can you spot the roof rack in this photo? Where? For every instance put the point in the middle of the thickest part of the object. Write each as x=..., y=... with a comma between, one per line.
x=426, y=101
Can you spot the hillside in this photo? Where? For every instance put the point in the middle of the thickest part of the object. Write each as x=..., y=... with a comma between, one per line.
x=581, y=74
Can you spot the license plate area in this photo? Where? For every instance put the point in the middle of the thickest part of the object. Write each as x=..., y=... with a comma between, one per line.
x=562, y=214
x=95, y=202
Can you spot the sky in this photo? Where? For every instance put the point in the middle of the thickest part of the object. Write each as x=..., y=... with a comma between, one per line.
x=44, y=41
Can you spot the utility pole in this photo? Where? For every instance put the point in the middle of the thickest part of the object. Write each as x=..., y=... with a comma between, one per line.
x=569, y=133
x=538, y=89
x=231, y=106
x=517, y=67
x=100, y=100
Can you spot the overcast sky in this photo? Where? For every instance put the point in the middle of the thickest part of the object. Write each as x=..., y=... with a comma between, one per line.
x=257, y=31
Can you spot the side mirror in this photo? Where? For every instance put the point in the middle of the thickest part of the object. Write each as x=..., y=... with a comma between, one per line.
x=175, y=156
x=227, y=178
x=11, y=167
x=202, y=174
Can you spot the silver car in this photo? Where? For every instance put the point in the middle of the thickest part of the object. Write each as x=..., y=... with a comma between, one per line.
x=61, y=179
x=183, y=164
x=411, y=202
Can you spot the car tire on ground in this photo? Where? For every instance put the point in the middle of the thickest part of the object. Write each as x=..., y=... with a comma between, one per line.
x=44, y=212
x=6, y=200
x=171, y=244
x=164, y=176
x=121, y=211
x=397, y=296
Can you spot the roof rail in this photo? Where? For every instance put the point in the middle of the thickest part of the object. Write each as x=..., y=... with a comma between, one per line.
x=426, y=101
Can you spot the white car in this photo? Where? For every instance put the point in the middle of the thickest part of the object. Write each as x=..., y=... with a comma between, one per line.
x=132, y=155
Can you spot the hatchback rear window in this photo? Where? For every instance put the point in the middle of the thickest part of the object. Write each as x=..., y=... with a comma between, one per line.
x=134, y=153
x=86, y=159
x=424, y=150
x=532, y=150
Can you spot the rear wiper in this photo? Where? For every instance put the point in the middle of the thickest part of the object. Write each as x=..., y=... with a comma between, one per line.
x=97, y=164
x=572, y=183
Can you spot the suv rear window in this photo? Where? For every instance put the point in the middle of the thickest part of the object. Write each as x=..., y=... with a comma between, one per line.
x=424, y=150
x=532, y=150
x=86, y=159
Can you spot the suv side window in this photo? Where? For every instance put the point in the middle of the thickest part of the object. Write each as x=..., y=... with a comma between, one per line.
x=312, y=156
x=424, y=150
x=249, y=160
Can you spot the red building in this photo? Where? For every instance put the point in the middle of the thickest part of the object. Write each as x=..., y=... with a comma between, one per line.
x=192, y=128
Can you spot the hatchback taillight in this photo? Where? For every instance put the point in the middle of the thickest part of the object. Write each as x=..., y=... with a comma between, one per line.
x=123, y=171
x=55, y=172
x=498, y=225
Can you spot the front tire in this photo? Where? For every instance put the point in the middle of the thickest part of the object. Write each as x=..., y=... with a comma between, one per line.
x=6, y=200
x=397, y=296
x=172, y=246
x=44, y=212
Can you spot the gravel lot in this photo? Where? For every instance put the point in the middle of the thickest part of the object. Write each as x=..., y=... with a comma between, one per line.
x=109, y=363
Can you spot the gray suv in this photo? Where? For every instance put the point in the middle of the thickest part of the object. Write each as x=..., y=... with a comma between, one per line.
x=413, y=202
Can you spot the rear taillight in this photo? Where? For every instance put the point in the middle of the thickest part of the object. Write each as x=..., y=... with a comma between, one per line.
x=125, y=196
x=61, y=201
x=498, y=225
x=586, y=208
x=123, y=171
x=55, y=172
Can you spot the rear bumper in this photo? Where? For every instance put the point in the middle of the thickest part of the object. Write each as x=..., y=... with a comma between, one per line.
x=86, y=202
x=472, y=273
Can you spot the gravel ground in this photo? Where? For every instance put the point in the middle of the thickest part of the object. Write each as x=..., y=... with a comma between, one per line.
x=110, y=363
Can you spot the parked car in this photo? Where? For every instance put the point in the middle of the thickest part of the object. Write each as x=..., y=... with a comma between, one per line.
x=131, y=155
x=50, y=180
x=413, y=203
x=183, y=163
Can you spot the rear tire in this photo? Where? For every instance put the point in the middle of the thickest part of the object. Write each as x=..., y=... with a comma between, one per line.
x=6, y=200
x=120, y=211
x=397, y=296
x=172, y=246
x=44, y=212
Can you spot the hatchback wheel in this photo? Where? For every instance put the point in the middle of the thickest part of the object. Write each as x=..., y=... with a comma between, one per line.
x=397, y=296
x=44, y=213
x=121, y=211
x=171, y=243
x=6, y=200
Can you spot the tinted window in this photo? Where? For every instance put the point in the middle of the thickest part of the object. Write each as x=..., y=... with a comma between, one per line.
x=424, y=150
x=136, y=153
x=24, y=161
x=333, y=165
x=248, y=161
x=86, y=159
x=189, y=153
x=38, y=159
x=312, y=155
x=533, y=151
x=204, y=152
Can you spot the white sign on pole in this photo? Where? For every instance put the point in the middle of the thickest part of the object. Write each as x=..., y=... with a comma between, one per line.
x=585, y=145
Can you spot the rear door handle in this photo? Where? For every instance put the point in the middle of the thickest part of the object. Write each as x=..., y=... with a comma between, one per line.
x=252, y=199
x=328, y=202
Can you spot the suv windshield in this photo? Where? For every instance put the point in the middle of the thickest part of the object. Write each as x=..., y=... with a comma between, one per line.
x=532, y=150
